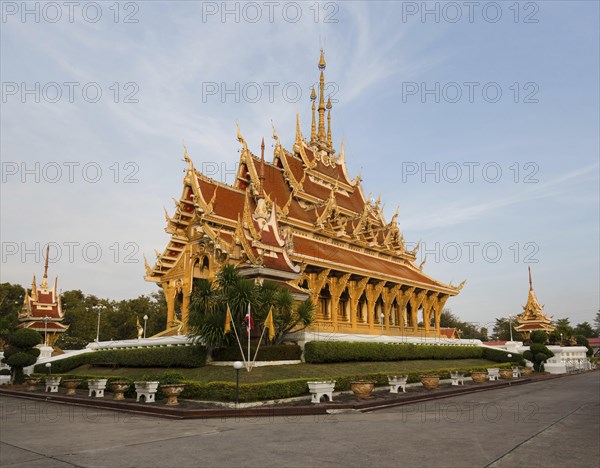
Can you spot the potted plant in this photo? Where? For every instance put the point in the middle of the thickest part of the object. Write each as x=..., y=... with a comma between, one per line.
x=32, y=382
x=506, y=373
x=96, y=387
x=171, y=386
x=479, y=376
x=525, y=371
x=430, y=381
x=362, y=388
x=52, y=383
x=71, y=385
x=119, y=387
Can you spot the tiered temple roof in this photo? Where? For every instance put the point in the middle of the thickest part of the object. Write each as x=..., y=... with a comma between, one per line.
x=42, y=309
x=301, y=219
x=532, y=318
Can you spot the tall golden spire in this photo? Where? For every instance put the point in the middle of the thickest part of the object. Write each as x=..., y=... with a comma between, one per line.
x=313, y=128
x=530, y=282
x=44, y=284
x=329, y=106
x=262, y=166
x=321, y=135
x=298, y=130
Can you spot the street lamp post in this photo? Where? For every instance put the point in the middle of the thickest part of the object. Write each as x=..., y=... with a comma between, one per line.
x=98, y=309
x=145, y=323
x=48, y=367
x=510, y=326
x=381, y=317
x=237, y=365
x=46, y=319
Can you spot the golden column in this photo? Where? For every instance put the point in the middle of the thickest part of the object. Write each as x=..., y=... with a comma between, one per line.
x=355, y=290
x=336, y=288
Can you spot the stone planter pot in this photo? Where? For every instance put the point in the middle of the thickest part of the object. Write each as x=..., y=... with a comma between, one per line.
x=430, y=382
x=479, y=377
x=146, y=391
x=172, y=391
x=525, y=371
x=506, y=374
x=396, y=382
x=321, y=388
x=71, y=385
x=362, y=389
x=119, y=388
x=31, y=383
x=52, y=384
x=96, y=387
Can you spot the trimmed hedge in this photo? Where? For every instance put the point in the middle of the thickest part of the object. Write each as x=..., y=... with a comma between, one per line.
x=168, y=356
x=274, y=390
x=345, y=351
x=265, y=353
x=278, y=389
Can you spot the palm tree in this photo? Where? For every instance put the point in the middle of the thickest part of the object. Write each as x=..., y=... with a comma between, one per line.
x=209, y=301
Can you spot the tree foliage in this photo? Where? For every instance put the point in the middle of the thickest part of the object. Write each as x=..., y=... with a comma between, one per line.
x=466, y=329
x=11, y=301
x=210, y=299
x=21, y=353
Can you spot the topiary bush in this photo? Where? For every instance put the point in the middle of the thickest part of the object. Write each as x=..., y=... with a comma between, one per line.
x=538, y=354
x=168, y=356
x=21, y=353
x=539, y=336
x=265, y=353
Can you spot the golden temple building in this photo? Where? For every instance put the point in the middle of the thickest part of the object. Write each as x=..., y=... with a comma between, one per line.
x=532, y=318
x=42, y=308
x=302, y=221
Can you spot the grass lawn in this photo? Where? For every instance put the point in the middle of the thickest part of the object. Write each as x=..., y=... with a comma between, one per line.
x=265, y=374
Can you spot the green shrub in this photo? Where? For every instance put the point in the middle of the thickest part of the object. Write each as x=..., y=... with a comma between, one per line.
x=168, y=356
x=265, y=353
x=25, y=338
x=342, y=351
x=539, y=336
x=5, y=372
x=21, y=353
x=538, y=354
x=70, y=342
x=498, y=355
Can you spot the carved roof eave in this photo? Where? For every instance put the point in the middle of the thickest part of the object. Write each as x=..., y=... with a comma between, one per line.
x=240, y=236
x=438, y=287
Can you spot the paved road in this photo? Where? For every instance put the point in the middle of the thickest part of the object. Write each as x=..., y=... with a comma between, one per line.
x=550, y=424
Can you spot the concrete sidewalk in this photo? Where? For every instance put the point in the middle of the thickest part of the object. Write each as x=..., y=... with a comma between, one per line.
x=547, y=423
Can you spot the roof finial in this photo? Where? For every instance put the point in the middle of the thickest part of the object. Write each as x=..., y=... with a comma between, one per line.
x=298, y=130
x=530, y=282
x=322, y=136
x=44, y=284
x=313, y=128
x=329, y=106
x=262, y=165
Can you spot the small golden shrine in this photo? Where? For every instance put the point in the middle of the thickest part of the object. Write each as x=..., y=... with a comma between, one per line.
x=301, y=220
x=532, y=317
x=42, y=309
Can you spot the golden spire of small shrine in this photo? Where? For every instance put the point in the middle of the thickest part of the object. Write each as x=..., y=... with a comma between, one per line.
x=530, y=282
x=34, y=289
x=321, y=134
x=313, y=128
x=44, y=284
x=329, y=106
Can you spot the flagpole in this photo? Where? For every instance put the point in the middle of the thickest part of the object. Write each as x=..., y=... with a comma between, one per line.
x=236, y=336
x=248, y=330
x=257, y=347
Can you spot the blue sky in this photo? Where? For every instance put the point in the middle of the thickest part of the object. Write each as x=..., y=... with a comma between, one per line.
x=531, y=199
